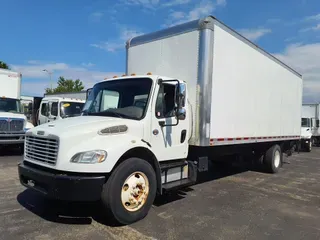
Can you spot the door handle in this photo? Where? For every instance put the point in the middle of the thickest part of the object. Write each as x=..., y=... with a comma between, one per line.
x=183, y=135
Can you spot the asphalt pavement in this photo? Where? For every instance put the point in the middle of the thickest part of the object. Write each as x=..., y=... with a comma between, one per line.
x=231, y=202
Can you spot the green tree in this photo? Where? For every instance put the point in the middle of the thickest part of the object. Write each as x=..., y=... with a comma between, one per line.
x=4, y=65
x=66, y=85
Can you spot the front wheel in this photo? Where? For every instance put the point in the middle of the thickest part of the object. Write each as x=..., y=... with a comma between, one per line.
x=130, y=191
x=309, y=147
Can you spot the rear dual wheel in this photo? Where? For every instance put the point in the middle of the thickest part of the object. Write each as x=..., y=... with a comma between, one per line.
x=130, y=191
x=273, y=159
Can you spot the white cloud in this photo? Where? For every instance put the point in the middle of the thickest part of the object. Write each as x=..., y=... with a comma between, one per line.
x=201, y=9
x=315, y=28
x=175, y=3
x=254, y=34
x=114, y=45
x=155, y=4
x=89, y=64
x=313, y=17
x=108, y=46
x=305, y=59
x=38, y=80
x=96, y=16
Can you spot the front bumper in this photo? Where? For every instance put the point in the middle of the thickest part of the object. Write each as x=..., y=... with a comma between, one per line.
x=12, y=138
x=61, y=185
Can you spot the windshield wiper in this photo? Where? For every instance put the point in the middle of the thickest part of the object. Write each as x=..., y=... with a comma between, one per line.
x=114, y=113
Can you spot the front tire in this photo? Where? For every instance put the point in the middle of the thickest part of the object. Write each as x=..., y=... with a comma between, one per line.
x=309, y=146
x=130, y=191
x=273, y=159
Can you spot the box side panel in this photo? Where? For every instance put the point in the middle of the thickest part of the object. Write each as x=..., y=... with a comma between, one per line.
x=253, y=96
x=309, y=110
x=10, y=85
x=175, y=56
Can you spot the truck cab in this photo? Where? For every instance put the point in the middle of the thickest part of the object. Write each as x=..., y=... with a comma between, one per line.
x=124, y=121
x=306, y=133
x=13, y=123
x=55, y=108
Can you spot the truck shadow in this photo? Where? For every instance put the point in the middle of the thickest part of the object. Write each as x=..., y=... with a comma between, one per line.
x=84, y=213
x=10, y=151
x=216, y=171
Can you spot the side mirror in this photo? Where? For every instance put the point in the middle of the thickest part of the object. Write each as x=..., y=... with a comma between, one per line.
x=180, y=101
x=181, y=114
x=89, y=90
x=181, y=95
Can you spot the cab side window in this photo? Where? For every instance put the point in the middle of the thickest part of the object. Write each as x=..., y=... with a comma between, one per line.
x=44, y=109
x=165, y=104
x=54, y=109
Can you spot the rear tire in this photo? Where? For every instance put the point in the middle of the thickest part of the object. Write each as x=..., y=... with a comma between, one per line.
x=273, y=159
x=130, y=191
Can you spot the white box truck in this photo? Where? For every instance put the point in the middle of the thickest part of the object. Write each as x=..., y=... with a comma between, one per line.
x=310, y=131
x=13, y=123
x=210, y=93
x=54, y=108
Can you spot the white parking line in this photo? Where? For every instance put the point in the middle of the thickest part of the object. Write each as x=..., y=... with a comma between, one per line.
x=11, y=211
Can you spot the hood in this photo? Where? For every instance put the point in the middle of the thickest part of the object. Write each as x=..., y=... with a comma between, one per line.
x=85, y=126
x=12, y=115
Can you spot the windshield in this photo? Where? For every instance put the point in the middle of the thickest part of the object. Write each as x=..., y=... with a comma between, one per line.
x=305, y=122
x=10, y=105
x=125, y=98
x=71, y=109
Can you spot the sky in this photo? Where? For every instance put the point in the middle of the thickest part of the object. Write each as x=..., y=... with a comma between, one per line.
x=86, y=39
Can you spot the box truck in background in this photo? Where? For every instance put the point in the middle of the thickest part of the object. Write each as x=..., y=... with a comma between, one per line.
x=193, y=93
x=54, y=108
x=13, y=123
x=310, y=131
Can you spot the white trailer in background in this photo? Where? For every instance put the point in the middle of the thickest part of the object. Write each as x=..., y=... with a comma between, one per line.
x=310, y=131
x=13, y=123
x=211, y=93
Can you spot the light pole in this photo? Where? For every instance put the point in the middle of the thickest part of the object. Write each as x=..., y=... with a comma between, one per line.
x=50, y=74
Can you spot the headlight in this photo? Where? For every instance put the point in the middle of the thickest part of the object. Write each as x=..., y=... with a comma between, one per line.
x=95, y=156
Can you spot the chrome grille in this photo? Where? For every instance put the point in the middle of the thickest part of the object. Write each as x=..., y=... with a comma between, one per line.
x=4, y=126
x=13, y=125
x=42, y=149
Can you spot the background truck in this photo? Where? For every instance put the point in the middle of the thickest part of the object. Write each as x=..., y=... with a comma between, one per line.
x=193, y=93
x=13, y=123
x=30, y=106
x=54, y=108
x=76, y=95
x=310, y=131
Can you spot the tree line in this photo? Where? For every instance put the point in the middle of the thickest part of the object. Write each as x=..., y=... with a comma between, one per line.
x=64, y=85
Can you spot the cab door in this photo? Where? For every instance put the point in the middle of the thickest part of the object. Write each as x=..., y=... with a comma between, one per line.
x=43, y=112
x=54, y=111
x=169, y=136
